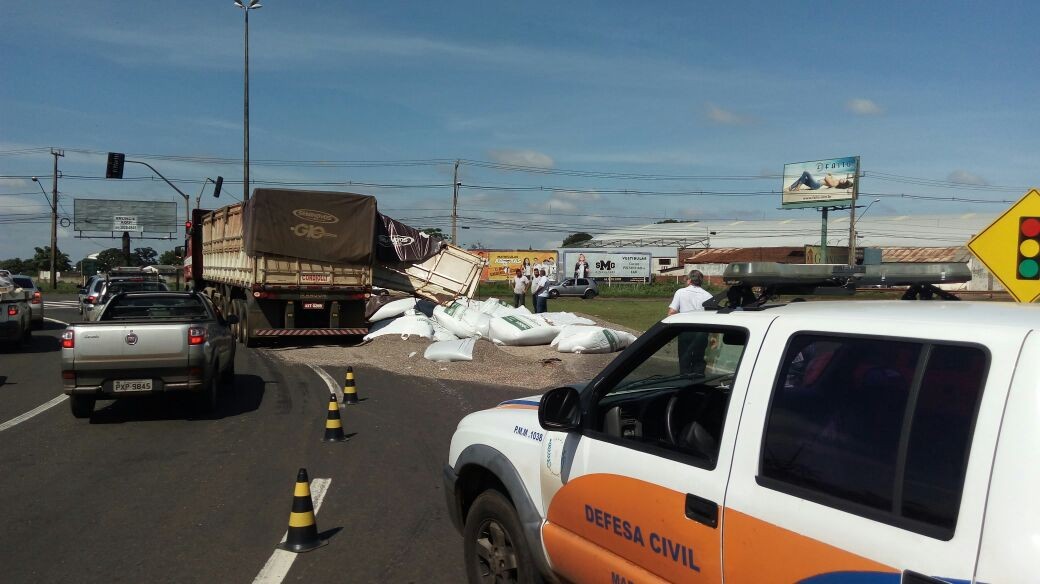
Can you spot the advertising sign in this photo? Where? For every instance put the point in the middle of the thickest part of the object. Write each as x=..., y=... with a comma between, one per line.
x=125, y=223
x=605, y=264
x=502, y=265
x=819, y=183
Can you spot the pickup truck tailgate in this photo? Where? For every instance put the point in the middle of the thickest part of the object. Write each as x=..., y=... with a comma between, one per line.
x=128, y=346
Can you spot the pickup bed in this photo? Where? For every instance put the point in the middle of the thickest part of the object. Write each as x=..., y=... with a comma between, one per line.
x=145, y=343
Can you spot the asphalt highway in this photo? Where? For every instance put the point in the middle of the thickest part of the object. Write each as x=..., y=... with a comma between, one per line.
x=147, y=490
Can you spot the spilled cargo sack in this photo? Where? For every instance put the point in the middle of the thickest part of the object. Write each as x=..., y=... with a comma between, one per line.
x=452, y=318
x=591, y=339
x=519, y=330
x=447, y=351
x=392, y=308
x=409, y=325
x=440, y=333
x=564, y=319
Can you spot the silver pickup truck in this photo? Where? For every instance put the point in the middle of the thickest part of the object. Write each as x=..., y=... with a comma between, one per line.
x=146, y=343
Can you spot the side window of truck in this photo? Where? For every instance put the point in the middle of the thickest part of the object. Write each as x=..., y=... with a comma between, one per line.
x=877, y=427
x=672, y=397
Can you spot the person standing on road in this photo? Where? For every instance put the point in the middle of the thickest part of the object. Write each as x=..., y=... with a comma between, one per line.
x=541, y=293
x=520, y=284
x=692, y=345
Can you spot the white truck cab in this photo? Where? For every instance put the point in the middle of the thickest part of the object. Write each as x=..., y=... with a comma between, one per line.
x=877, y=441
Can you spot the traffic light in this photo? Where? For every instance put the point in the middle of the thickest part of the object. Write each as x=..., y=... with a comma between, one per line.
x=1028, y=248
x=114, y=169
x=187, y=226
x=217, y=185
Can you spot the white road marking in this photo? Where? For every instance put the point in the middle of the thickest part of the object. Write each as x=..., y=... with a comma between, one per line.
x=60, y=303
x=329, y=381
x=37, y=410
x=277, y=566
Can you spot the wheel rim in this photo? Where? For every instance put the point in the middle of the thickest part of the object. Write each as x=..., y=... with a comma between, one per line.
x=496, y=558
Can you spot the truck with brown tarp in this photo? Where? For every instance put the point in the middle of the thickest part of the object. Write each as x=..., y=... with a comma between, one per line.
x=304, y=263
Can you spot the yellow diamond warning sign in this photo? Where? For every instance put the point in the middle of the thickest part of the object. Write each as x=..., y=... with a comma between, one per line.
x=1010, y=248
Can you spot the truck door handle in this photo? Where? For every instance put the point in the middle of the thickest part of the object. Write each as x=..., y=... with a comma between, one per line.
x=702, y=510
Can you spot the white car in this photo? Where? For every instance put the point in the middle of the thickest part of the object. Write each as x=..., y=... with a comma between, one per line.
x=812, y=442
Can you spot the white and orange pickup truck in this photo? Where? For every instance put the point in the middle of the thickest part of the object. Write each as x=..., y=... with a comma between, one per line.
x=820, y=442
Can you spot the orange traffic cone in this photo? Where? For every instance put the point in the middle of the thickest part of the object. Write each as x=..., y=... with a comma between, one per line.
x=333, y=424
x=350, y=396
x=303, y=530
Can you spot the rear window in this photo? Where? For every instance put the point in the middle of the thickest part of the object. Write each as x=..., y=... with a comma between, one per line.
x=148, y=307
x=24, y=282
x=116, y=288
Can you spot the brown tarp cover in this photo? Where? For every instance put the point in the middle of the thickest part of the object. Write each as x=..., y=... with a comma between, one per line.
x=314, y=225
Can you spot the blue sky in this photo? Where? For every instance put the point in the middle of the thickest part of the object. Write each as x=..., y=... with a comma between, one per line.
x=944, y=92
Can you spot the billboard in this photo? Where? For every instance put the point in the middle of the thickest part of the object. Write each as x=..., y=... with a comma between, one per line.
x=820, y=183
x=502, y=265
x=622, y=265
x=105, y=217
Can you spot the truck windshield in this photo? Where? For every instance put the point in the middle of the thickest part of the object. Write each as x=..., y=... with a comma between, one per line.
x=155, y=307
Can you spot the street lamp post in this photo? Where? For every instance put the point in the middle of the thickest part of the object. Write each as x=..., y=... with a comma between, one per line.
x=855, y=222
x=252, y=5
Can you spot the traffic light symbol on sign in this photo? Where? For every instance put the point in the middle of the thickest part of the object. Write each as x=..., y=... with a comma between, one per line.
x=1028, y=248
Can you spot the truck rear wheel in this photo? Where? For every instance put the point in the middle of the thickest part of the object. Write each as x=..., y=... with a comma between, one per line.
x=238, y=309
x=494, y=546
x=82, y=406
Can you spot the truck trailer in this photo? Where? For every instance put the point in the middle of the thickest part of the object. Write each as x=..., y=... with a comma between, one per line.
x=304, y=263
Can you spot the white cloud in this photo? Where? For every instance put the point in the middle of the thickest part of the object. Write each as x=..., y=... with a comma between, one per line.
x=863, y=107
x=725, y=117
x=577, y=196
x=965, y=177
x=521, y=158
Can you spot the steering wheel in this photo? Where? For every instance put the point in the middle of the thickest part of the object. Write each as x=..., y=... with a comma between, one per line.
x=670, y=423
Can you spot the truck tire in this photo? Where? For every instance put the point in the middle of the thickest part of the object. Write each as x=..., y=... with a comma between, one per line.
x=494, y=546
x=82, y=406
x=238, y=309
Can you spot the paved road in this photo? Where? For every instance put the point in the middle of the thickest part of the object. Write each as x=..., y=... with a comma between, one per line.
x=148, y=491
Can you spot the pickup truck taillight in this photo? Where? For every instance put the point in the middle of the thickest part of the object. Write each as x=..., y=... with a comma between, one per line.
x=196, y=335
x=37, y=297
x=12, y=310
x=68, y=339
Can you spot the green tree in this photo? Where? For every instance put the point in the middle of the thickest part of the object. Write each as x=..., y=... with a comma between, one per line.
x=19, y=266
x=41, y=261
x=575, y=238
x=170, y=258
x=145, y=256
x=436, y=232
x=110, y=258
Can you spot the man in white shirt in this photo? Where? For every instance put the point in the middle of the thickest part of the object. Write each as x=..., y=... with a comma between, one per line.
x=520, y=283
x=691, y=344
x=690, y=298
x=541, y=292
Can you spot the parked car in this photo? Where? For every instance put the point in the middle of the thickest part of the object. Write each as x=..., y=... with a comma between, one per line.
x=111, y=288
x=35, y=298
x=145, y=343
x=584, y=287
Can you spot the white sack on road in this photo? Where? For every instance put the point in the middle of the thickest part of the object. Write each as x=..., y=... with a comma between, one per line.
x=453, y=319
x=591, y=339
x=392, y=309
x=521, y=330
x=409, y=325
x=564, y=318
x=447, y=351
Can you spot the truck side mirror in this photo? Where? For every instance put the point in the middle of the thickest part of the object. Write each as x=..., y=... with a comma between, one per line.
x=560, y=409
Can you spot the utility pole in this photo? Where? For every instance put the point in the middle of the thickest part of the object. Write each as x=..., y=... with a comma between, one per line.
x=852, y=217
x=54, y=218
x=455, y=205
